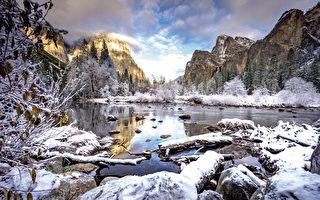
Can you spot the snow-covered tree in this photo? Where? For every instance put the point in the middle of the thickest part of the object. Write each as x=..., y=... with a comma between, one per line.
x=298, y=85
x=234, y=87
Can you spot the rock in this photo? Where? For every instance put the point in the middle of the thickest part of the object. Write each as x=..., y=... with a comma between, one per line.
x=138, y=131
x=213, y=184
x=154, y=127
x=48, y=185
x=4, y=168
x=148, y=140
x=185, y=116
x=316, y=124
x=108, y=179
x=139, y=118
x=55, y=165
x=293, y=184
x=112, y=118
x=214, y=128
x=274, y=150
x=81, y=167
x=210, y=195
x=236, y=124
x=161, y=185
x=164, y=136
x=153, y=119
x=113, y=132
x=258, y=195
x=235, y=184
x=160, y=121
x=221, y=108
x=315, y=160
x=281, y=109
x=179, y=108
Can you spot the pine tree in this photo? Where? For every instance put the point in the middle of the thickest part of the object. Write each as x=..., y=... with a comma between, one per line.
x=104, y=52
x=93, y=51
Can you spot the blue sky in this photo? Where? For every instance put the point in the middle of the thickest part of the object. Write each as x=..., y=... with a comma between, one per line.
x=165, y=33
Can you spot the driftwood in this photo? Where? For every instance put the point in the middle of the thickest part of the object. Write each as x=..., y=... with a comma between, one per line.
x=293, y=140
x=206, y=140
x=88, y=159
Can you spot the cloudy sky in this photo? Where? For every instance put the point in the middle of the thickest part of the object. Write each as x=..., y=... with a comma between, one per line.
x=166, y=32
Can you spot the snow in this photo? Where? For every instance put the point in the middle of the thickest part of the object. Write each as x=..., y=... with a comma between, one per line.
x=161, y=185
x=301, y=140
x=19, y=179
x=209, y=137
x=204, y=168
x=68, y=138
x=237, y=124
x=247, y=172
x=294, y=184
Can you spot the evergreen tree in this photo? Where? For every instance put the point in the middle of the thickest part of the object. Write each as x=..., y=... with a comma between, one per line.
x=104, y=52
x=93, y=51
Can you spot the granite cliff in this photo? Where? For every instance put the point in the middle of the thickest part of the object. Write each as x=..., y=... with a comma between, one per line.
x=292, y=48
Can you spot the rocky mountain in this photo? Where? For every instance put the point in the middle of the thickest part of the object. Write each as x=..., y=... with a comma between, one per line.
x=228, y=57
x=120, y=55
x=291, y=49
x=58, y=51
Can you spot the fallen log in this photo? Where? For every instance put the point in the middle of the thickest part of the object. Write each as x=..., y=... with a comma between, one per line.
x=200, y=172
x=294, y=140
x=87, y=159
x=210, y=139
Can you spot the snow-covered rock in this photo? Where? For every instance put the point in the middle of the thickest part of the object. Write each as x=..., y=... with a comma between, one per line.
x=210, y=138
x=210, y=195
x=236, y=124
x=238, y=183
x=160, y=186
x=68, y=139
x=294, y=184
x=315, y=160
x=47, y=185
x=202, y=170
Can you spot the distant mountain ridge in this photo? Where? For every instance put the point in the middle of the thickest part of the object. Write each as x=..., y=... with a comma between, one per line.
x=292, y=48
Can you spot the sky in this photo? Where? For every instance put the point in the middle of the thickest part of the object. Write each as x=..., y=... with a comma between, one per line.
x=164, y=33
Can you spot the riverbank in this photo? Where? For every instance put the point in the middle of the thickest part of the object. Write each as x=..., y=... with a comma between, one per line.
x=55, y=173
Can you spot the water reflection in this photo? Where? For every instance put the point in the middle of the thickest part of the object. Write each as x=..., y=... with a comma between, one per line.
x=93, y=117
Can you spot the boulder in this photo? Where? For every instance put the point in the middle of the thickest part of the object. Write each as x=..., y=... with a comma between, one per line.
x=81, y=167
x=236, y=124
x=214, y=128
x=315, y=160
x=293, y=184
x=210, y=195
x=237, y=183
x=4, y=168
x=161, y=185
x=138, y=131
x=55, y=165
x=108, y=179
x=47, y=185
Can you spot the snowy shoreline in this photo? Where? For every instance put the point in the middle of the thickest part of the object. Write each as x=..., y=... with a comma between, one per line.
x=214, y=100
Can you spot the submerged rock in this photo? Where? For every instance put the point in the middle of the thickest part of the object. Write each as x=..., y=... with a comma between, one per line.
x=113, y=132
x=185, y=116
x=164, y=136
x=138, y=131
x=139, y=118
x=214, y=128
x=161, y=185
x=236, y=124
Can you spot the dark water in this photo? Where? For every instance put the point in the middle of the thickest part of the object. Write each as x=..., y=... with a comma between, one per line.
x=93, y=117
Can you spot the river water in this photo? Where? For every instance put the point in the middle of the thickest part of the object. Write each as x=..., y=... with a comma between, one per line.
x=93, y=117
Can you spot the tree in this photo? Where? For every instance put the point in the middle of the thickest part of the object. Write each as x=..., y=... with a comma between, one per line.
x=104, y=52
x=234, y=87
x=30, y=101
x=93, y=51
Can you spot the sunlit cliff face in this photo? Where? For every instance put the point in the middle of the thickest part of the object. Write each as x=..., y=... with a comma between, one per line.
x=58, y=51
x=120, y=55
